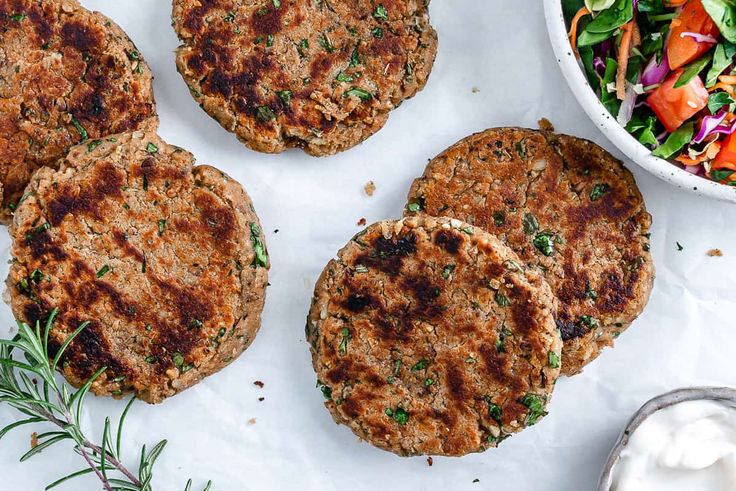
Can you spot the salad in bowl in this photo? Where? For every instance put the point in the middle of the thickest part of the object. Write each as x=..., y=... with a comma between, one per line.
x=664, y=69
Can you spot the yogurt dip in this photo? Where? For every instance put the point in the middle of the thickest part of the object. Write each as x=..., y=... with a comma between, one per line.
x=689, y=446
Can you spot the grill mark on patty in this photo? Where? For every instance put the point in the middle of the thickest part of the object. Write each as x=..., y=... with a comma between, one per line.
x=449, y=240
x=569, y=329
x=106, y=182
x=80, y=36
x=268, y=22
x=90, y=351
x=388, y=254
x=41, y=244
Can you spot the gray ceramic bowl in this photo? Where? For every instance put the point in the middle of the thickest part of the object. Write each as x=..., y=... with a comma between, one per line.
x=651, y=407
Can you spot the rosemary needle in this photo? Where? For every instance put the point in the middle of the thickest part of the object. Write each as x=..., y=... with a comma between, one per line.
x=31, y=387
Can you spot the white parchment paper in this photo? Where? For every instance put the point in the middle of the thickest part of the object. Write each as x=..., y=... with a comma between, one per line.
x=686, y=336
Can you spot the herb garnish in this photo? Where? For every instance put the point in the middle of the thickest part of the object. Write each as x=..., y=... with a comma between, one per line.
x=103, y=271
x=31, y=386
x=265, y=114
x=93, y=144
x=363, y=95
x=502, y=300
x=420, y=365
x=588, y=321
x=381, y=13
x=161, y=227
x=499, y=218
x=284, y=96
x=448, y=271
x=326, y=44
x=326, y=390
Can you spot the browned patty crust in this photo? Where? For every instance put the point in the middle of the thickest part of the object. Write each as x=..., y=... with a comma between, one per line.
x=316, y=75
x=166, y=262
x=66, y=75
x=428, y=338
x=565, y=206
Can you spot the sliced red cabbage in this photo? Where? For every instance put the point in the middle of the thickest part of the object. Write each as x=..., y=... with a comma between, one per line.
x=654, y=72
x=700, y=38
x=708, y=126
x=627, y=105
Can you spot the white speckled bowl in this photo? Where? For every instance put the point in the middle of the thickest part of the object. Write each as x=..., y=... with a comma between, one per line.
x=665, y=400
x=602, y=118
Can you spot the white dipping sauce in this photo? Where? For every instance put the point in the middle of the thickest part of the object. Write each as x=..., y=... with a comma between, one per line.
x=690, y=446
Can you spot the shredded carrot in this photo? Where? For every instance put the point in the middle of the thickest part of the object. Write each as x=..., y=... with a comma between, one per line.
x=709, y=154
x=724, y=87
x=573, y=34
x=728, y=79
x=624, y=50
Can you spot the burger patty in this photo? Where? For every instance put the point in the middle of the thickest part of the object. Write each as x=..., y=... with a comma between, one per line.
x=67, y=75
x=165, y=261
x=566, y=207
x=321, y=76
x=428, y=337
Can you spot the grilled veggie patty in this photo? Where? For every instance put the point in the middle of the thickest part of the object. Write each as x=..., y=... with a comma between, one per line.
x=321, y=76
x=67, y=75
x=566, y=207
x=428, y=337
x=166, y=261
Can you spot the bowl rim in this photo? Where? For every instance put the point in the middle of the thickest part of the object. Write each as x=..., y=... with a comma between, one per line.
x=608, y=125
x=652, y=406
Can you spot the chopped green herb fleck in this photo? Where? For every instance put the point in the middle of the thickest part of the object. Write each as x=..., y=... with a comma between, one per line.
x=343, y=77
x=178, y=359
x=468, y=230
x=363, y=95
x=598, y=191
x=80, y=129
x=544, y=242
x=196, y=324
x=261, y=256
x=324, y=41
x=494, y=411
x=553, y=359
x=343, y=348
x=326, y=391
x=269, y=40
x=265, y=114
x=19, y=17
x=277, y=3
x=284, y=96
x=377, y=33
x=499, y=218
x=531, y=224
x=230, y=17
x=93, y=144
x=428, y=382
x=381, y=13
x=414, y=207
x=420, y=365
x=103, y=271
x=448, y=271
x=150, y=359
x=536, y=408
x=302, y=47
x=399, y=415
x=588, y=321
x=502, y=300
x=354, y=58
x=161, y=227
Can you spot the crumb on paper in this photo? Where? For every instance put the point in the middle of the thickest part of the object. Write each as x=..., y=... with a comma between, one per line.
x=715, y=253
x=252, y=421
x=261, y=399
x=546, y=125
x=475, y=90
x=679, y=246
x=259, y=384
x=34, y=439
x=430, y=461
x=370, y=188
x=476, y=480
x=276, y=231
x=361, y=222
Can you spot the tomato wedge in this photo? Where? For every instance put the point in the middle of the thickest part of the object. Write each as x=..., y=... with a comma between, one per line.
x=693, y=18
x=726, y=158
x=674, y=106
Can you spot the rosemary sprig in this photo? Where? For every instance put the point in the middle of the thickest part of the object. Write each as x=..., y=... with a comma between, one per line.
x=32, y=387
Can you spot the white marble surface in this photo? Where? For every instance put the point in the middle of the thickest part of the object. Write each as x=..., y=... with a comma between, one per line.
x=687, y=335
